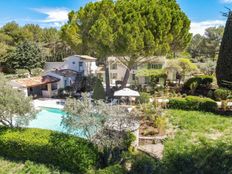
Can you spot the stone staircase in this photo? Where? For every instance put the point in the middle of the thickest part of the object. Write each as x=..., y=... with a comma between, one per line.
x=152, y=146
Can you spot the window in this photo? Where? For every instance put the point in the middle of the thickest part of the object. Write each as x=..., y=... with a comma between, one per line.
x=81, y=68
x=65, y=83
x=114, y=66
x=155, y=66
x=114, y=75
x=133, y=77
x=73, y=63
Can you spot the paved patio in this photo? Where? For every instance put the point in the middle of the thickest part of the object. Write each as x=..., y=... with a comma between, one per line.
x=49, y=103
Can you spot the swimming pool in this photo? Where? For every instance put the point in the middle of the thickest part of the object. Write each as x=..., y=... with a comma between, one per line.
x=51, y=118
x=48, y=118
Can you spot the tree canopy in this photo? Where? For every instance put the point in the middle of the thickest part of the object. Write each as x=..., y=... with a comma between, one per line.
x=131, y=30
x=224, y=63
x=206, y=46
x=26, y=56
x=52, y=46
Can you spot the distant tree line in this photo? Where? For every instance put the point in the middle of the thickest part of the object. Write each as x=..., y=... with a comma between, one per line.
x=32, y=42
x=203, y=47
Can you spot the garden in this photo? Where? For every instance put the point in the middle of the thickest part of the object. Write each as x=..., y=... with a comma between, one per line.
x=174, y=126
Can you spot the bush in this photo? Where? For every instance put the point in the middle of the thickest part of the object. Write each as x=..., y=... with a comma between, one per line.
x=115, y=169
x=64, y=151
x=143, y=164
x=222, y=94
x=98, y=92
x=144, y=98
x=201, y=81
x=193, y=103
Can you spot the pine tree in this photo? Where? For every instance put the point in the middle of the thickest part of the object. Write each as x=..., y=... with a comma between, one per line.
x=98, y=92
x=224, y=63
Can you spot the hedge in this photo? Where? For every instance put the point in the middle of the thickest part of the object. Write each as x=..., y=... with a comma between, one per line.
x=222, y=94
x=203, y=80
x=193, y=103
x=64, y=151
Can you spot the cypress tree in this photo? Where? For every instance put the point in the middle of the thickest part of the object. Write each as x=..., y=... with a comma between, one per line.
x=224, y=63
x=98, y=92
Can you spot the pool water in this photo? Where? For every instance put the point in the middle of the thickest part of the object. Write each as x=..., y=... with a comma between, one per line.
x=48, y=118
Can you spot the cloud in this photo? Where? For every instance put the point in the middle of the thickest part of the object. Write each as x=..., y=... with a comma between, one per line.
x=55, y=17
x=226, y=1
x=199, y=27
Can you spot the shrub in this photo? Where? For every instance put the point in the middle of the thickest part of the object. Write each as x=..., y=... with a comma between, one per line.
x=200, y=81
x=144, y=98
x=222, y=94
x=193, y=103
x=143, y=164
x=115, y=169
x=98, y=92
x=64, y=151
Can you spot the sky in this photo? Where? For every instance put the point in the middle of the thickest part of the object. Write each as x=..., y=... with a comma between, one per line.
x=53, y=13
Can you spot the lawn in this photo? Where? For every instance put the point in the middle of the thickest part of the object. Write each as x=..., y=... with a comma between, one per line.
x=11, y=167
x=202, y=144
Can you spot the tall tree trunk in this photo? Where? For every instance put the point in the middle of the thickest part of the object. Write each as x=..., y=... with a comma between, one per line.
x=107, y=78
x=126, y=77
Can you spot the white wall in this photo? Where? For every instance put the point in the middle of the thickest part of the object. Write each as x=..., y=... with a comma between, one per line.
x=53, y=65
x=72, y=63
x=60, y=84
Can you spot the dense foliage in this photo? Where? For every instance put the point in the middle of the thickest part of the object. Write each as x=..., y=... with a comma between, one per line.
x=198, y=85
x=98, y=91
x=26, y=56
x=115, y=169
x=66, y=152
x=52, y=47
x=193, y=103
x=143, y=164
x=224, y=63
x=203, y=81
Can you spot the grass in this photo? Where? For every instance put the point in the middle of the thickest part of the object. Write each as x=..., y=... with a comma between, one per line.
x=202, y=144
x=195, y=125
x=28, y=167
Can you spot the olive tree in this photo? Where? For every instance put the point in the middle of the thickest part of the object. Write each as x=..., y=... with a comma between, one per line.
x=95, y=120
x=15, y=108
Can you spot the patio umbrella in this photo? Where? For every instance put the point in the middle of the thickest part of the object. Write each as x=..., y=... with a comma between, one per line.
x=126, y=92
